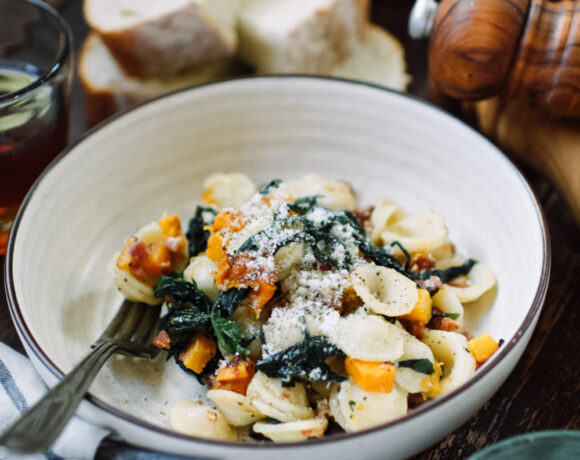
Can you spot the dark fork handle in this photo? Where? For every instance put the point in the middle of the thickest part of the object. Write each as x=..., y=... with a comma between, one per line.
x=39, y=427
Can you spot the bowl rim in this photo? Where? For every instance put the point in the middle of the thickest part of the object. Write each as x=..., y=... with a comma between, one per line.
x=504, y=350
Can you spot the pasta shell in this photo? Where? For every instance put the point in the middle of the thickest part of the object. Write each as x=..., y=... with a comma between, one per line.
x=450, y=261
x=297, y=431
x=282, y=331
x=150, y=233
x=322, y=389
x=423, y=231
x=451, y=348
x=288, y=258
x=236, y=408
x=333, y=194
x=285, y=404
x=284, y=328
x=409, y=379
x=245, y=316
x=446, y=301
x=445, y=251
x=195, y=418
x=230, y=190
x=384, y=290
x=386, y=213
x=200, y=270
x=256, y=225
x=130, y=287
x=355, y=409
x=480, y=279
x=367, y=337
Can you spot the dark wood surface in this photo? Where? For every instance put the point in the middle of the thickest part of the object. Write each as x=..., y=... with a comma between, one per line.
x=543, y=392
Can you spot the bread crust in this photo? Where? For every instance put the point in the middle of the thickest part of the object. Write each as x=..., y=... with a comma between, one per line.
x=121, y=67
x=379, y=59
x=166, y=45
x=117, y=91
x=315, y=45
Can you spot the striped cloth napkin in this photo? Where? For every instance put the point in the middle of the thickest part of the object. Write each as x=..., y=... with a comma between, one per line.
x=20, y=388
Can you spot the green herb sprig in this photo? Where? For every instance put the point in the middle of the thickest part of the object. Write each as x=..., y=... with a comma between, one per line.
x=196, y=234
x=303, y=362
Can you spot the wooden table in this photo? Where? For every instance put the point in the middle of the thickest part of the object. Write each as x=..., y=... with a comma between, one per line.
x=543, y=392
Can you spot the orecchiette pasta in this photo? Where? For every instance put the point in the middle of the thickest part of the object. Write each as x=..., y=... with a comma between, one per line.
x=236, y=408
x=445, y=251
x=288, y=258
x=131, y=288
x=413, y=349
x=293, y=431
x=198, y=419
x=386, y=213
x=446, y=301
x=479, y=280
x=384, y=290
x=368, y=337
x=157, y=249
x=424, y=231
x=282, y=336
x=285, y=404
x=297, y=308
x=355, y=409
x=333, y=194
x=451, y=349
x=228, y=190
x=250, y=327
x=200, y=270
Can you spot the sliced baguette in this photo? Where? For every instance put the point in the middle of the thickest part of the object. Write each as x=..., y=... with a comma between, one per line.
x=293, y=36
x=156, y=38
x=108, y=90
x=378, y=59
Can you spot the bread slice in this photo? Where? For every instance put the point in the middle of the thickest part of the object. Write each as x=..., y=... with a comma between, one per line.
x=378, y=59
x=299, y=36
x=156, y=38
x=108, y=90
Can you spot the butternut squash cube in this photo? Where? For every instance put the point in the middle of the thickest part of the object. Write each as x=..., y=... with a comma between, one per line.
x=422, y=310
x=158, y=260
x=198, y=352
x=170, y=225
x=260, y=297
x=235, y=376
x=371, y=376
x=482, y=347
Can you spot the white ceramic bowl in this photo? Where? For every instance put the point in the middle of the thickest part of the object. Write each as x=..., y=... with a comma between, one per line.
x=154, y=159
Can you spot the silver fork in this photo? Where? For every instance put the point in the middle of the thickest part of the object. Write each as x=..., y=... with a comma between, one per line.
x=130, y=332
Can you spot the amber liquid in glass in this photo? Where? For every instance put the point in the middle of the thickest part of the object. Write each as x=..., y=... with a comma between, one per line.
x=33, y=130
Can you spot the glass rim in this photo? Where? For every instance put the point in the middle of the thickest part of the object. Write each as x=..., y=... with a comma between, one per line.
x=59, y=61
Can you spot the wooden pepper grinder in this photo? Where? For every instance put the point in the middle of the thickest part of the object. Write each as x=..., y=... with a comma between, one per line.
x=480, y=48
x=527, y=54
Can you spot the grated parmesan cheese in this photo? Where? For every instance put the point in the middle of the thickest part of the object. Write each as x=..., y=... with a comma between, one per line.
x=313, y=295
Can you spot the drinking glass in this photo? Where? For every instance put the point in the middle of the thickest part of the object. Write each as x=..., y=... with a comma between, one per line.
x=35, y=82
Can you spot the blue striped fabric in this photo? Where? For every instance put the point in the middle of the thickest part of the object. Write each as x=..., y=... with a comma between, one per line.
x=20, y=385
x=9, y=386
x=18, y=400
